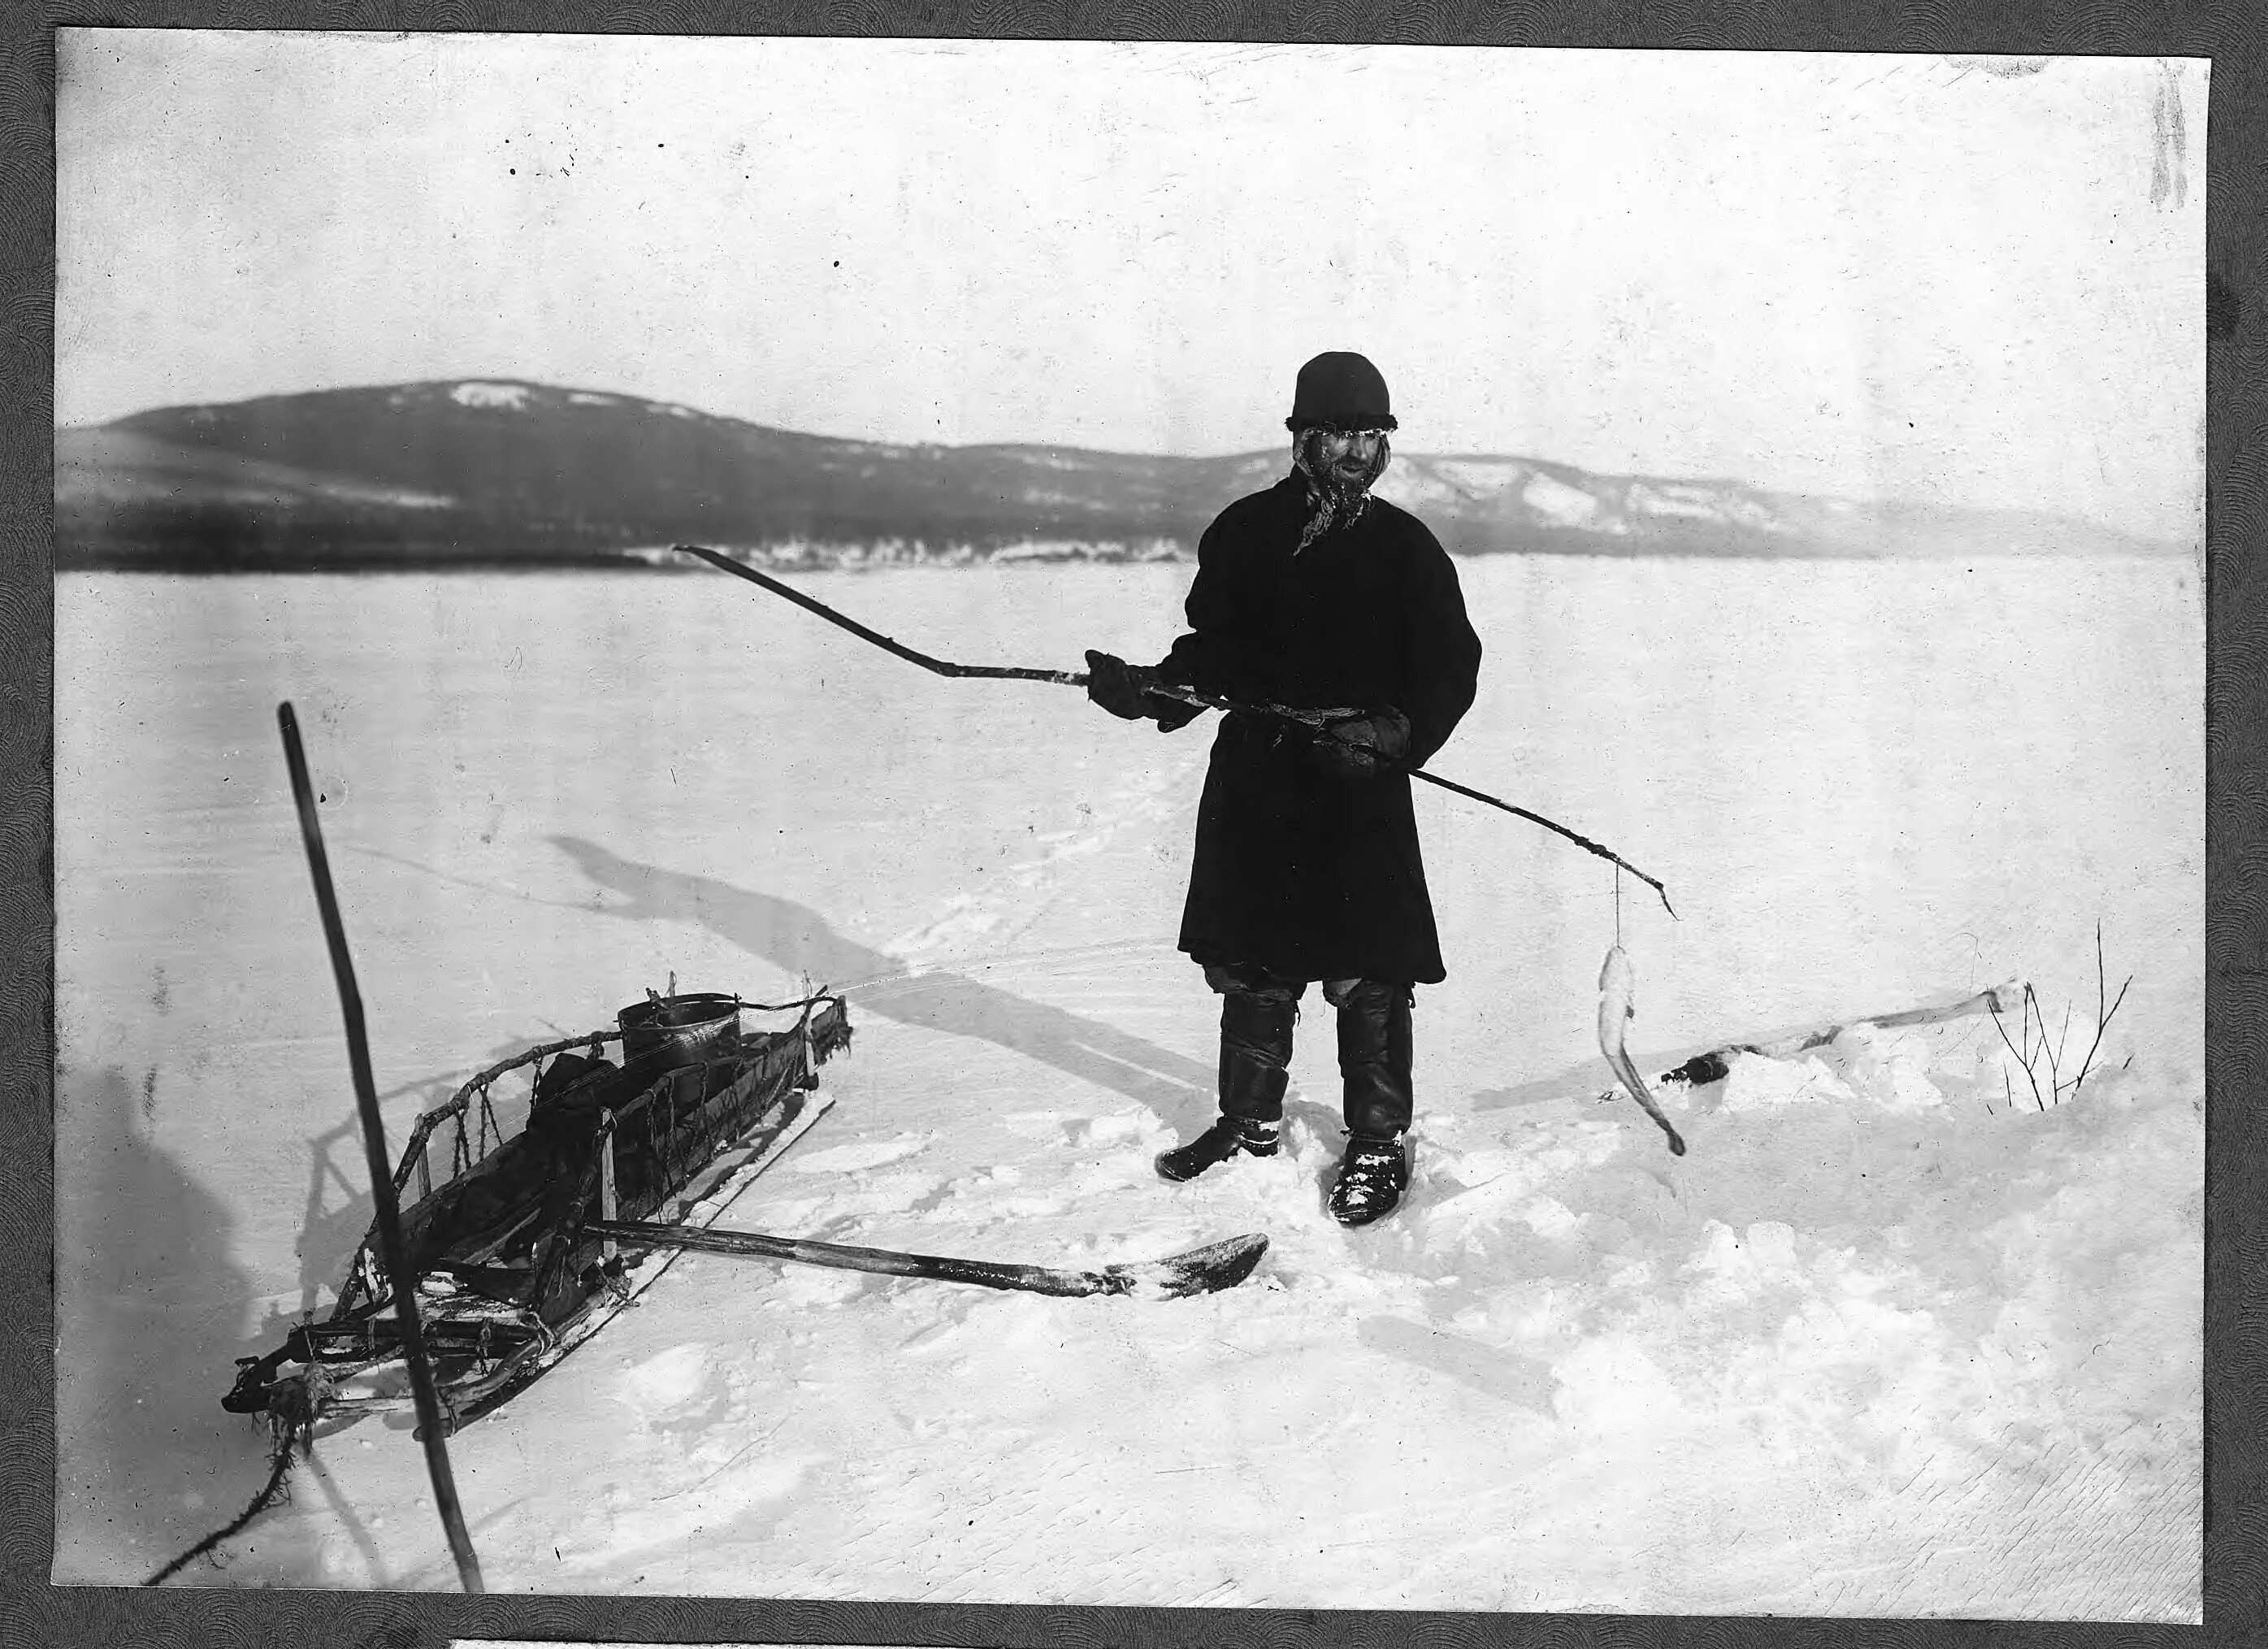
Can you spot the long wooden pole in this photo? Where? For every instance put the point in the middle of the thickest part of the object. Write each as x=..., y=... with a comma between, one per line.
x=1217, y=1265
x=1311, y=719
x=404, y=1282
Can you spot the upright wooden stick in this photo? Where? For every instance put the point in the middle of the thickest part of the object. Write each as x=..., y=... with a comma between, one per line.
x=404, y=1282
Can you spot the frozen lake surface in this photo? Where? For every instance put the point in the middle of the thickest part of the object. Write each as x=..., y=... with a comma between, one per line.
x=1881, y=1345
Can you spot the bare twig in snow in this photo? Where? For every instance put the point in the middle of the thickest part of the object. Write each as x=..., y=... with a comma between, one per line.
x=2009, y=1043
x=2053, y=1050
x=2101, y=1015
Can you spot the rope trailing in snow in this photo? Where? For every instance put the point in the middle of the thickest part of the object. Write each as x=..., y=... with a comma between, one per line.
x=1313, y=720
x=293, y=1427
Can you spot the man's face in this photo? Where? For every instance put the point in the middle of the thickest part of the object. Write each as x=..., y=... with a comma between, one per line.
x=1349, y=455
x=1340, y=466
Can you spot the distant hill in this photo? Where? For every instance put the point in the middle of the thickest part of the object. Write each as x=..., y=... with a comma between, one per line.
x=486, y=473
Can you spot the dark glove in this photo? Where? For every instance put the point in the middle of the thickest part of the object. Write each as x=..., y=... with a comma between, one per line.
x=1351, y=749
x=1123, y=688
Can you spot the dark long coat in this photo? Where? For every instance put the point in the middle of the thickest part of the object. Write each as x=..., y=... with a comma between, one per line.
x=1304, y=872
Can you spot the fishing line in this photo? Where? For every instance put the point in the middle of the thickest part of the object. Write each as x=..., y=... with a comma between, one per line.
x=1314, y=721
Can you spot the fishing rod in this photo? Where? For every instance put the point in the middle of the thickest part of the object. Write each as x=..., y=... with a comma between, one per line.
x=1314, y=721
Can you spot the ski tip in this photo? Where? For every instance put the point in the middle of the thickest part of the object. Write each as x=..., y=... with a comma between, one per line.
x=1205, y=1270
x=1232, y=1254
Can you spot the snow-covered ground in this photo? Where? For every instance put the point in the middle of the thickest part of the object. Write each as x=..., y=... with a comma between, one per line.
x=1881, y=1344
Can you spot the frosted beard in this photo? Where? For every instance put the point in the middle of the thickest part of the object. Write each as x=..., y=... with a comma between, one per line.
x=1336, y=498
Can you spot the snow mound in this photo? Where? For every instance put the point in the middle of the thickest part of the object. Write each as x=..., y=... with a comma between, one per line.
x=1886, y=1070
x=1758, y=1084
x=1737, y=1265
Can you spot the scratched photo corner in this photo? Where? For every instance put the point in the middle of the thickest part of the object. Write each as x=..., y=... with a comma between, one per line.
x=1329, y=828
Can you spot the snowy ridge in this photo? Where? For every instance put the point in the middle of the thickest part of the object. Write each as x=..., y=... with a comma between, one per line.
x=542, y=475
x=502, y=397
x=1512, y=492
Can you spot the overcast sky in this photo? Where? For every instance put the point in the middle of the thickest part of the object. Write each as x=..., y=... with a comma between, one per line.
x=1974, y=281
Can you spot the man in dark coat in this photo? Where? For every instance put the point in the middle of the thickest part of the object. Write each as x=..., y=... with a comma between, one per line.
x=1314, y=595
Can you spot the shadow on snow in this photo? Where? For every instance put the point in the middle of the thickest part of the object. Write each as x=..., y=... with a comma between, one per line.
x=798, y=940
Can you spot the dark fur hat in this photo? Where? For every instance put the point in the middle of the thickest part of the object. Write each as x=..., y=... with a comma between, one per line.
x=1339, y=390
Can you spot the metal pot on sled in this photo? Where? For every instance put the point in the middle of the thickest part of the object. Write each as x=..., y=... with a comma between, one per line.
x=695, y=1028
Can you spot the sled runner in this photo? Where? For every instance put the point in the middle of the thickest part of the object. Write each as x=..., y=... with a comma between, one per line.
x=510, y=1279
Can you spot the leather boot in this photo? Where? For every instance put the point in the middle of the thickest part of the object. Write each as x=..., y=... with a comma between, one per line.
x=1228, y=1136
x=1371, y=1177
x=1374, y=1068
x=1374, y=1059
x=1255, y=1052
x=1255, y=1048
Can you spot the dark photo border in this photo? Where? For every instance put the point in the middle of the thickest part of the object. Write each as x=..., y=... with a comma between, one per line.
x=2232, y=34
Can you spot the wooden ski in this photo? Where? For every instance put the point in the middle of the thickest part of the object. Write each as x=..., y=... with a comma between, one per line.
x=1217, y=1265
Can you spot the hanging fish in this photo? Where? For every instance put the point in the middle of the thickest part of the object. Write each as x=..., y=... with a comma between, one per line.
x=1617, y=986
